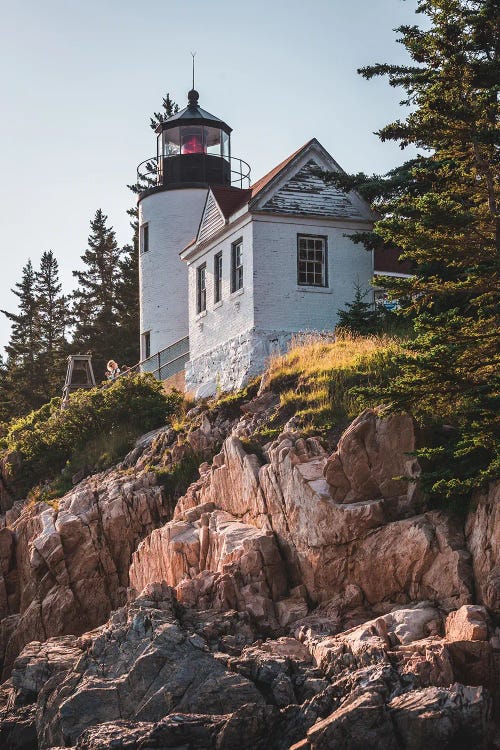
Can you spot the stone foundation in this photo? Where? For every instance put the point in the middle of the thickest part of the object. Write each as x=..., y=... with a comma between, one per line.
x=232, y=364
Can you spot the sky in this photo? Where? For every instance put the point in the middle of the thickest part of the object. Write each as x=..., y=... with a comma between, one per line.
x=79, y=80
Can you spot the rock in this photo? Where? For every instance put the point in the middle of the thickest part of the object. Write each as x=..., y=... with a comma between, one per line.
x=290, y=610
x=140, y=666
x=70, y=566
x=358, y=724
x=371, y=454
x=393, y=559
x=469, y=623
x=439, y=718
x=215, y=561
x=195, y=660
x=482, y=531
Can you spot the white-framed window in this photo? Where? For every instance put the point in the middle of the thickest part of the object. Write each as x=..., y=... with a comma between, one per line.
x=311, y=260
x=218, y=277
x=237, y=265
x=146, y=344
x=144, y=239
x=201, y=288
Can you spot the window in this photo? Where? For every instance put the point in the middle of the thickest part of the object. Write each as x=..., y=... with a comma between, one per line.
x=146, y=344
x=218, y=277
x=144, y=238
x=311, y=260
x=237, y=266
x=201, y=288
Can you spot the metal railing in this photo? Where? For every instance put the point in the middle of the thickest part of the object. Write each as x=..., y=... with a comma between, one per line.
x=167, y=362
x=149, y=172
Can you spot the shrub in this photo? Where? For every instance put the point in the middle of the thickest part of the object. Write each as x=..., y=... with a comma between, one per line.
x=175, y=479
x=95, y=428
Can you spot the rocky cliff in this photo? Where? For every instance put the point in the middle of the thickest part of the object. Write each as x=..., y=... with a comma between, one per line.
x=292, y=597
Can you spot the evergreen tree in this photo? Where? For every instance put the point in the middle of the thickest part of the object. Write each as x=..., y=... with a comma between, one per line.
x=95, y=301
x=52, y=320
x=168, y=108
x=360, y=316
x=128, y=304
x=148, y=178
x=128, y=291
x=23, y=375
x=5, y=396
x=441, y=208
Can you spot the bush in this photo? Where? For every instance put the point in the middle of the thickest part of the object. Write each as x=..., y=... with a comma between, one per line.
x=95, y=428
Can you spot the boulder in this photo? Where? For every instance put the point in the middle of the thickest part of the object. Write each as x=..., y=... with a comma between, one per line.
x=469, y=623
x=372, y=455
x=443, y=718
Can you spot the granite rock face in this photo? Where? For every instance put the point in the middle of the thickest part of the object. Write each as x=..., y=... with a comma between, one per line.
x=482, y=530
x=291, y=598
x=64, y=570
x=160, y=674
x=214, y=561
x=380, y=543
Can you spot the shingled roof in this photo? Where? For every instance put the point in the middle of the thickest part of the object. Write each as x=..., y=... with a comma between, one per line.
x=230, y=199
x=261, y=184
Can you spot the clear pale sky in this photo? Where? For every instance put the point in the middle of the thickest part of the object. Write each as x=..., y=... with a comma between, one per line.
x=80, y=78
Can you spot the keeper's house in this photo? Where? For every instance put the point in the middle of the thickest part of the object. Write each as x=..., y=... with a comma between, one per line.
x=230, y=271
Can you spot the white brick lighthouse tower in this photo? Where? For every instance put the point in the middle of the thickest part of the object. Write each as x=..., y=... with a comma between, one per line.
x=193, y=153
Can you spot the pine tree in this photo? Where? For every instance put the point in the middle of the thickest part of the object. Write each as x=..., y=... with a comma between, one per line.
x=95, y=301
x=23, y=374
x=148, y=178
x=52, y=320
x=128, y=291
x=128, y=304
x=441, y=208
x=168, y=108
x=5, y=396
x=360, y=316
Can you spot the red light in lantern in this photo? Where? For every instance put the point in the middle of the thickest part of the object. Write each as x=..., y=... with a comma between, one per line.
x=192, y=145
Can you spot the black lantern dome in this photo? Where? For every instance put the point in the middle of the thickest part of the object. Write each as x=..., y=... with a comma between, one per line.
x=193, y=148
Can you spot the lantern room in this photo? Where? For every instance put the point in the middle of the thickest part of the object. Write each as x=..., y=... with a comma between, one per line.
x=193, y=147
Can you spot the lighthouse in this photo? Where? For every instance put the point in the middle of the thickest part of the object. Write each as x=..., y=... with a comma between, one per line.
x=193, y=153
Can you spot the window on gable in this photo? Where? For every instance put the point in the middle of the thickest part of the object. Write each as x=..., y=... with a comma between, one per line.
x=311, y=260
x=237, y=266
x=144, y=238
x=201, y=288
x=218, y=277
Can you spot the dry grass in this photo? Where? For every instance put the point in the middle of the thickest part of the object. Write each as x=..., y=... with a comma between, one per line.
x=319, y=377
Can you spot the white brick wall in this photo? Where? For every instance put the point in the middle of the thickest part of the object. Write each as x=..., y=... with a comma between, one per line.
x=173, y=217
x=232, y=340
x=282, y=305
x=234, y=314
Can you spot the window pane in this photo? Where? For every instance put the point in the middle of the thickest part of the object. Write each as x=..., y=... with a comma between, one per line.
x=311, y=261
x=145, y=238
x=218, y=277
x=201, y=292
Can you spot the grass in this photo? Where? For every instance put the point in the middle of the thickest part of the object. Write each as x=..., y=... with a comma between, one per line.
x=321, y=381
x=175, y=479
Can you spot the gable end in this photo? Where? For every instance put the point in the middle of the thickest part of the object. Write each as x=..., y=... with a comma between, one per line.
x=212, y=219
x=307, y=194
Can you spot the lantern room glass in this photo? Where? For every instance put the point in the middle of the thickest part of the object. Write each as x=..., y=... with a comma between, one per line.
x=194, y=139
